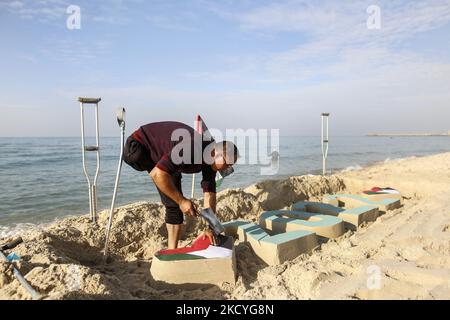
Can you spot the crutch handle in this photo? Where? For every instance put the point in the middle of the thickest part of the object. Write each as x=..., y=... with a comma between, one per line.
x=89, y=100
x=120, y=112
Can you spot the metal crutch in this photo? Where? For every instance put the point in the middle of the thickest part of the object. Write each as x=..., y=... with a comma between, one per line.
x=324, y=141
x=92, y=186
x=121, y=121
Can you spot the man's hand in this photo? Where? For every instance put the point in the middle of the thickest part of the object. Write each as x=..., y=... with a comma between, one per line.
x=188, y=208
x=210, y=235
x=165, y=183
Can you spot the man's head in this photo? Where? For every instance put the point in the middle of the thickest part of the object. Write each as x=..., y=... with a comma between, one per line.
x=225, y=155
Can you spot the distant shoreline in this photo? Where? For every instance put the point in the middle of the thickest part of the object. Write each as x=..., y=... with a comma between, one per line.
x=444, y=134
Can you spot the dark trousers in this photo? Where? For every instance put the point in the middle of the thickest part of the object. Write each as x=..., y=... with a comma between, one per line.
x=173, y=212
x=138, y=157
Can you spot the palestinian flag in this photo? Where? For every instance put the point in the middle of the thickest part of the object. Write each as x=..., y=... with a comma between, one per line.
x=201, y=128
x=378, y=190
x=200, y=249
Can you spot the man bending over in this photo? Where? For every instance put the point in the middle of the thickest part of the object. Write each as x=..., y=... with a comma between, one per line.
x=166, y=150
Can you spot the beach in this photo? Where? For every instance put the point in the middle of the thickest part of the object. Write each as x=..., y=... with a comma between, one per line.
x=410, y=245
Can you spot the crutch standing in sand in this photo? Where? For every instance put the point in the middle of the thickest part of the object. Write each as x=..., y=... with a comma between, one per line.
x=92, y=186
x=324, y=142
x=121, y=121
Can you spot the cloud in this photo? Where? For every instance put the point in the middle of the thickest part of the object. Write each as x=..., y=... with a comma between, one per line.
x=42, y=10
x=333, y=37
x=115, y=20
x=402, y=96
x=175, y=24
x=336, y=65
x=28, y=57
x=72, y=51
x=111, y=12
x=327, y=19
x=16, y=4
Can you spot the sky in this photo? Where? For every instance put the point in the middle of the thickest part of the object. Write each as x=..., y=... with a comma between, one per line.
x=238, y=63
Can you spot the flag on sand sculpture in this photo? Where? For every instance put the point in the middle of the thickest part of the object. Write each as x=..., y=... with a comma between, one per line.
x=378, y=190
x=201, y=248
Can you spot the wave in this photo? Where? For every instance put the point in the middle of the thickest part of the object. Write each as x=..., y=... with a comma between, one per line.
x=15, y=229
x=387, y=160
x=11, y=231
x=352, y=168
x=21, y=227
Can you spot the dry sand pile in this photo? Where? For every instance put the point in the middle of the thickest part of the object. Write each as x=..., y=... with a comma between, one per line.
x=411, y=245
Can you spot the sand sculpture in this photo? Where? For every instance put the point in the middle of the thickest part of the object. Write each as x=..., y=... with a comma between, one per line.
x=280, y=221
x=199, y=263
x=279, y=236
x=384, y=202
x=352, y=217
x=272, y=249
x=277, y=230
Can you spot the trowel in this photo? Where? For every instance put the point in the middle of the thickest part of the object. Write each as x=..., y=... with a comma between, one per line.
x=215, y=225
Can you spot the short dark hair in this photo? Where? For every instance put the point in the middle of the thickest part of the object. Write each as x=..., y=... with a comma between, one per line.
x=228, y=147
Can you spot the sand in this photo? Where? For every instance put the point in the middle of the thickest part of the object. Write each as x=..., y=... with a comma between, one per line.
x=404, y=254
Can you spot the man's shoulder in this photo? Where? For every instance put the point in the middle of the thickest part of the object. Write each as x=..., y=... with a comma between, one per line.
x=168, y=124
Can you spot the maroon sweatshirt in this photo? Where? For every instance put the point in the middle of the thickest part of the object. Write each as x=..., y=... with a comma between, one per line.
x=157, y=139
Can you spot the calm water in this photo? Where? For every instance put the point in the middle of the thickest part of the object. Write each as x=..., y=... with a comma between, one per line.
x=42, y=178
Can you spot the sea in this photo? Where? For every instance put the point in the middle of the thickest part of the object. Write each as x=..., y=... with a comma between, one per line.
x=42, y=179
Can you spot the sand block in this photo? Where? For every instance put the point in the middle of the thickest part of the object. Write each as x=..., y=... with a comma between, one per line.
x=356, y=200
x=195, y=269
x=352, y=217
x=382, y=196
x=272, y=249
x=288, y=220
x=355, y=217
